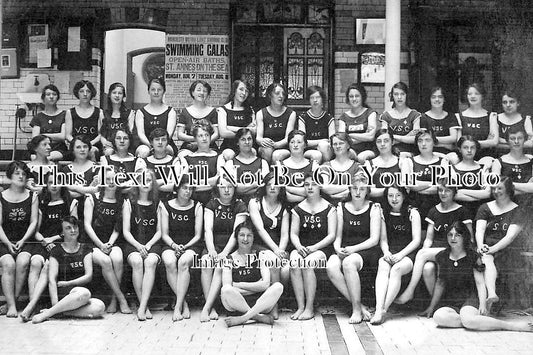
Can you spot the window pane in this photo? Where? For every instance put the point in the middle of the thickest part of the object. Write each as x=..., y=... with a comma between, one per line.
x=266, y=74
x=315, y=72
x=295, y=44
x=296, y=78
x=315, y=44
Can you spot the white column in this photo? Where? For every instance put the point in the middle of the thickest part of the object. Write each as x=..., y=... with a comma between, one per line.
x=393, y=16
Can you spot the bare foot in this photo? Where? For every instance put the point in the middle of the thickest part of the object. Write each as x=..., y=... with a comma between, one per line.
x=141, y=315
x=26, y=315
x=12, y=312
x=204, y=316
x=274, y=312
x=264, y=318
x=233, y=321
x=39, y=318
x=307, y=314
x=490, y=301
x=297, y=314
x=378, y=318
x=186, y=312
x=213, y=315
x=125, y=308
x=356, y=318
x=404, y=297
x=523, y=326
x=366, y=313
x=177, y=316
x=112, y=308
x=149, y=314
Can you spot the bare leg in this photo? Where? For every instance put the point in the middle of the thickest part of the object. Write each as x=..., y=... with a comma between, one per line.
x=422, y=257
x=182, y=284
x=36, y=265
x=351, y=266
x=297, y=285
x=233, y=300
x=8, y=285
x=447, y=317
x=137, y=272
x=336, y=276
x=150, y=264
x=21, y=271
x=490, y=280
x=266, y=153
x=280, y=154
x=118, y=267
x=109, y=275
x=208, y=312
x=78, y=297
x=382, y=283
x=430, y=276
x=471, y=319
x=309, y=279
x=170, y=260
x=399, y=269
x=39, y=287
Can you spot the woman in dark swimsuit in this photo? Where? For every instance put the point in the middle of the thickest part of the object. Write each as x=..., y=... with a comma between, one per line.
x=233, y=116
x=85, y=119
x=194, y=114
x=246, y=283
x=400, y=237
x=103, y=225
x=19, y=210
x=357, y=237
x=479, y=123
x=313, y=227
x=181, y=229
x=460, y=290
x=71, y=268
x=246, y=163
x=403, y=121
x=155, y=115
x=274, y=123
x=116, y=116
x=297, y=167
x=361, y=123
x=318, y=125
x=51, y=123
x=140, y=224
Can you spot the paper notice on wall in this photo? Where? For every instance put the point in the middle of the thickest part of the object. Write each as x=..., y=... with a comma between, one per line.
x=73, y=43
x=38, y=39
x=196, y=57
x=44, y=58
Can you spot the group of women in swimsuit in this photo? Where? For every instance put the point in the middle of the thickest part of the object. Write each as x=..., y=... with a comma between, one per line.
x=280, y=196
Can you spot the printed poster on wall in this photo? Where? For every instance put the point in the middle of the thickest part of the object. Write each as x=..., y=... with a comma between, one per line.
x=196, y=57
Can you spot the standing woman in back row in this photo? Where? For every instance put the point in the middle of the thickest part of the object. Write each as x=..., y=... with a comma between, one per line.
x=234, y=115
x=85, y=119
x=156, y=114
x=274, y=123
x=403, y=121
x=360, y=123
x=116, y=116
x=478, y=123
x=51, y=123
x=195, y=113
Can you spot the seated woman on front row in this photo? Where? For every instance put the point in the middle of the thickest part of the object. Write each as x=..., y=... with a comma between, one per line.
x=246, y=284
x=460, y=288
x=70, y=268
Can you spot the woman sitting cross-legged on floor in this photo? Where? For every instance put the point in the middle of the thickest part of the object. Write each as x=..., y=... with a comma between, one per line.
x=70, y=268
x=246, y=281
x=460, y=275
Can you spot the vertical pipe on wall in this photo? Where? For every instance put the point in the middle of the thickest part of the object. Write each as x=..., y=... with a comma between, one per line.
x=393, y=16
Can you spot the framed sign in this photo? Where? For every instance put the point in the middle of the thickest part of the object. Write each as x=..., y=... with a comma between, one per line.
x=372, y=69
x=370, y=31
x=9, y=68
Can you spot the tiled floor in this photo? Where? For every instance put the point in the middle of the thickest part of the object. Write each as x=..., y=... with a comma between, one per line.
x=123, y=334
